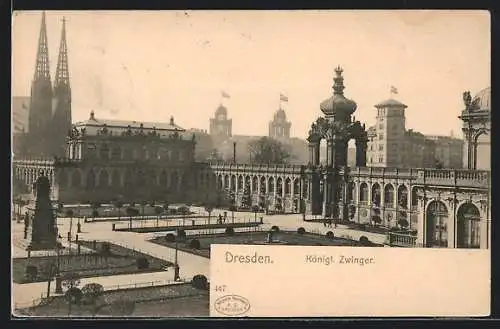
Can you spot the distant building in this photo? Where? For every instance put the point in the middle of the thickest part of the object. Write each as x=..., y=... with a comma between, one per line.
x=391, y=145
x=476, y=126
x=220, y=126
x=279, y=128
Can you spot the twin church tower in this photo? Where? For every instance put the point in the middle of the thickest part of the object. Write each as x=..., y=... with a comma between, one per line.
x=49, y=118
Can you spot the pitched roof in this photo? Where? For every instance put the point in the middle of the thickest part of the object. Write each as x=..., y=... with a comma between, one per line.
x=20, y=113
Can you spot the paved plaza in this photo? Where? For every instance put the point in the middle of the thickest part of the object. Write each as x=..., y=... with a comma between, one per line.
x=190, y=264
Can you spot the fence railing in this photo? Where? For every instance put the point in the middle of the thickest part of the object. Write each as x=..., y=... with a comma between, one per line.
x=158, y=283
x=401, y=240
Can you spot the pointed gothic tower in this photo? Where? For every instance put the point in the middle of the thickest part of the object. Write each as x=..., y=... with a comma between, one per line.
x=61, y=104
x=41, y=92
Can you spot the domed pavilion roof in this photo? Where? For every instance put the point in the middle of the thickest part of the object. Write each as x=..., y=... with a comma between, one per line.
x=221, y=110
x=338, y=103
x=483, y=99
x=390, y=103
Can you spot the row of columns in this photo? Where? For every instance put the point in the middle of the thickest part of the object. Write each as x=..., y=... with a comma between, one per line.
x=259, y=186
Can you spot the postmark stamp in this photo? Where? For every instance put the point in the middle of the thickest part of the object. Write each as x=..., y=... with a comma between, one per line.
x=232, y=305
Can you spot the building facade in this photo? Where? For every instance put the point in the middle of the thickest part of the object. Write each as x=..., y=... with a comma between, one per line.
x=279, y=127
x=108, y=160
x=392, y=145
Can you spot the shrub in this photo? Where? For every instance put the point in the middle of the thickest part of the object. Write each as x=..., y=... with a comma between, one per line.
x=181, y=234
x=31, y=272
x=119, y=307
x=105, y=248
x=275, y=228
x=170, y=237
x=195, y=244
x=363, y=240
x=91, y=292
x=200, y=282
x=403, y=223
x=376, y=219
x=73, y=295
x=330, y=235
x=301, y=230
x=95, y=213
x=229, y=231
x=142, y=263
x=362, y=227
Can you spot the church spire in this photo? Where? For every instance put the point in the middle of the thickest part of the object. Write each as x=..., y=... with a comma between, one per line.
x=62, y=71
x=42, y=71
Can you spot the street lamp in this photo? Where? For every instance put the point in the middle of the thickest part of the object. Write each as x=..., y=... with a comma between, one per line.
x=176, y=263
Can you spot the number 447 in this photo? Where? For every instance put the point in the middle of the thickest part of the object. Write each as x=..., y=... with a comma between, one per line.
x=220, y=288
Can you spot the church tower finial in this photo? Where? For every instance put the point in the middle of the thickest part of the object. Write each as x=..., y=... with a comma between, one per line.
x=42, y=70
x=62, y=71
x=338, y=86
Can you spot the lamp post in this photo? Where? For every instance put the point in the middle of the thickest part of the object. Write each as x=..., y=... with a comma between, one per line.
x=58, y=273
x=176, y=263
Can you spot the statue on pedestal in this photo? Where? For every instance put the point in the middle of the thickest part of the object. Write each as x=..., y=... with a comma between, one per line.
x=42, y=229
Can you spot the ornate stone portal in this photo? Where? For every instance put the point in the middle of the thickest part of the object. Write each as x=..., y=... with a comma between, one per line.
x=41, y=230
x=337, y=127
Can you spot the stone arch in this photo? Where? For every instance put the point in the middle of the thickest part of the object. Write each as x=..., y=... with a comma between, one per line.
x=376, y=194
x=116, y=180
x=263, y=187
x=220, y=181
x=116, y=153
x=103, y=178
x=270, y=183
x=296, y=186
x=226, y=181
x=63, y=178
x=104, y=151
x=233, y=183
x=288, y=186
x=389, y=195
x=91, y=180
x=468, y=226
x=402, y=196
x=255, y=183
x=140, y=178
x=436, y=224
x=76, y=178
x=482, y=150
x=240, y=183
x=279, y=186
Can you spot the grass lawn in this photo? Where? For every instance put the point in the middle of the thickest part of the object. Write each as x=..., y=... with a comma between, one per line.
x=282, y=237
x=160, y=301
x=119, y=261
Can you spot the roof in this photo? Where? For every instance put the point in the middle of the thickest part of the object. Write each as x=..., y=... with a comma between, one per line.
x=93, y=125
x=390, y=103
x=20, y=113
x=93, y=121
x=484, y=99
x=336, y=103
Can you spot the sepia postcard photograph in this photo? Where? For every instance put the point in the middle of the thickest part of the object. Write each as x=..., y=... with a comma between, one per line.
x=251, y=163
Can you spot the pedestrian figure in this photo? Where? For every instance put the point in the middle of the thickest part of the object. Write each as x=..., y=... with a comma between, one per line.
x=324, y=222
x=225, y=216
x=335, y=223
x=220, y=219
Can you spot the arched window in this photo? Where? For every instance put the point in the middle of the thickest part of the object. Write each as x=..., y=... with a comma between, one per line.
x=116, y=154
x=63, y=179
x=403, y=197
x=255, y=183
x=240, y=183
x=270, y=183
x=116, y=179
x=389, y=196
x=363, y=192
x=279, y=185
x=233, y=183
x=376, y=194
x=351, y=192
x=468, y=228
x=296, y=186
x=288, y=186
x=437, y=230
x=263, y=184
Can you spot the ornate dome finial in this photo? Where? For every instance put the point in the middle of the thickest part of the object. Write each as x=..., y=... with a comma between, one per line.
x=92, y=115
x=338, y=86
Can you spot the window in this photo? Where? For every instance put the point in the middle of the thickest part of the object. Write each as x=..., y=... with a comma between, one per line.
x=381, y=147
x=380, y=137
x=380, y=158
x=381, y=126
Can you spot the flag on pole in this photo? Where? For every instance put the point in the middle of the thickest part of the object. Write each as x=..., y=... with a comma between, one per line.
x=225, y=95
x=283, y=98
x=394, y=90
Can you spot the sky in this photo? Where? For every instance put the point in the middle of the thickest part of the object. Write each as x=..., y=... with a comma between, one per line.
x=150, y=65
